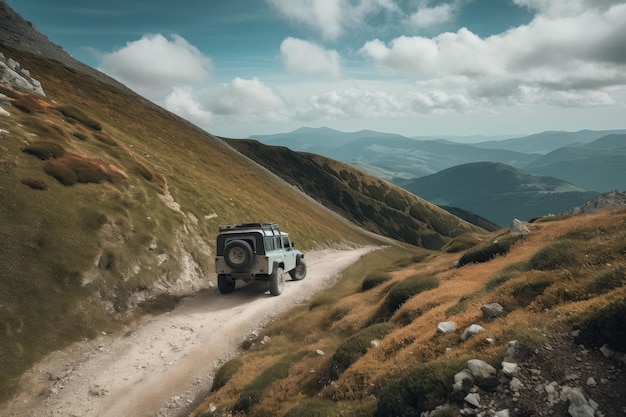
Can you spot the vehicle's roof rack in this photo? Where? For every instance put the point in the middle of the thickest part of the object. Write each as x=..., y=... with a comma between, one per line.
x=271, y=227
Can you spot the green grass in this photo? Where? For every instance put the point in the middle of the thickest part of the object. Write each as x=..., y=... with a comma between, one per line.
x=401, y=292
x=487, y=252
x=375, y=279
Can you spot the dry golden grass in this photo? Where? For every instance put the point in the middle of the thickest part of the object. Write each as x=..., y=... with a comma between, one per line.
x=537, y=302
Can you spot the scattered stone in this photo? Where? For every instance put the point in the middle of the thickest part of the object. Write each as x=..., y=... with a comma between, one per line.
x=374, y=343
x=518, y=228
x=471, y=331
x=473, y=399
x=463, y=381
x=492, y=310
x=320, y=352
x=446, y=327
x=579, y=407
x=509, y=368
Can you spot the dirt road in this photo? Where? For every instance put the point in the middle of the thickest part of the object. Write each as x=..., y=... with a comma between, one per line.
x=161, y=367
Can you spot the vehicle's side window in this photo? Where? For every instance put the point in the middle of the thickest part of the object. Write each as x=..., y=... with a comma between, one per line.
x=269, y=244
x=286, y=243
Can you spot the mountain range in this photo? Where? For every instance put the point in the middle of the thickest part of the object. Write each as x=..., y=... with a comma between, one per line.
x=109, y=208
x=587, y=162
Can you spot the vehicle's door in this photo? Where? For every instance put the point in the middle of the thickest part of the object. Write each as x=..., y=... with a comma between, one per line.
x=289, y=253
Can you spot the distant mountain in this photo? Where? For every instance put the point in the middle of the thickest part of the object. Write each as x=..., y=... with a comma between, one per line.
x=389, y=156
x=376, y=205
x=499, y=192
x=546, y=142
x=599, y=165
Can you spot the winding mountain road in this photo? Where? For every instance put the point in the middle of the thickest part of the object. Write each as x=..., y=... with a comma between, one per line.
x=165, y=364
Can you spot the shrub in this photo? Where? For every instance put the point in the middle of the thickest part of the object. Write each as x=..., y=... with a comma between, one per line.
x=607, y=326
x=374, y=279
x=44, y=150
x=503, y=276
x=35, y=184
x=225, y=373
x=557, y=255
x=461, y=243
x=608, y=281
x=356, y=346
x=419, y=388
x=80, y=136
x=527, y=292
x=406, y=289
x=485, y=253
x=76, y=114
x=252, y=393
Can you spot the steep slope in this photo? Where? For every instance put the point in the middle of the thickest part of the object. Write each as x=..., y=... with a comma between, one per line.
x=110, y=205
x=376, y=205
x=391, y=338
x=499, y=192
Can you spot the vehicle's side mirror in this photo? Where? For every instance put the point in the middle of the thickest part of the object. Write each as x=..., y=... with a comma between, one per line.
x=293, y=243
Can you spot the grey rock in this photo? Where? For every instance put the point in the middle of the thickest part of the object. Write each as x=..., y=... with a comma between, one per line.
x=463, y=381
x=492, y=310
x=518, y=228
x=446, y=327
x=509, y=368
x=471, y=331
x=473, y=399
x=579, y=407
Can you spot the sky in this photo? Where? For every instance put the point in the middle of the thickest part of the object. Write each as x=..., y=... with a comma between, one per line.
x=238, y=68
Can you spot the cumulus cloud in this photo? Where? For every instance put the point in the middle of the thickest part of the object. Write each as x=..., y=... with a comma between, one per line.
x=154, y=64
x=428, y=17
x=550, y=58
x=325, y=16
x=330, y=18
x=304, y=57
x=245, y=97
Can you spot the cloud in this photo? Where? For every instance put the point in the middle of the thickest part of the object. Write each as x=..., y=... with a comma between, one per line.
x=244, y=98
x=303, y=57
x=429, y=17
x=549, y=59
x=153, y=65
x=325, y=16
x=331, y=18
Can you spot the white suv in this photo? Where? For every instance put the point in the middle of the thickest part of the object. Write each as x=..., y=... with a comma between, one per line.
x=256, y=251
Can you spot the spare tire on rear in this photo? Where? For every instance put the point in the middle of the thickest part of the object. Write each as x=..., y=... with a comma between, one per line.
x=238, y=254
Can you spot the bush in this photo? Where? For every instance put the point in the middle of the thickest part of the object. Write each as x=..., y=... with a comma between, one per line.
x=356, y=346
x=406, y=289
x=35, y=184
x=374, y=280
x=417, y=389
x=225, y=373
x=76, y=114
x=557, y=255
x=503, y=276
x=485, y=253
x=606, y=327
x=608, y=281
x=252, y=393
x=44, y=150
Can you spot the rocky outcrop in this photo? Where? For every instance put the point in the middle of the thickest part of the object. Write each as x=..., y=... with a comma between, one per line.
x=610, y=199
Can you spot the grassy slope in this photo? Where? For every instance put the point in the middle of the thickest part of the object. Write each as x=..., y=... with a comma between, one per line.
x=76, y=259
x=371, y=202
x=549, y=283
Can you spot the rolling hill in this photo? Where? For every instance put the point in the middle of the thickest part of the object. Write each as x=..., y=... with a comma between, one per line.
x=389, y=156
x=599, y=165
x=364, y=199
x=499, y=192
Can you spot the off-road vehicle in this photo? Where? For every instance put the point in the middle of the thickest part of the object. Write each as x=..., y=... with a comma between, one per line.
x=256, y=251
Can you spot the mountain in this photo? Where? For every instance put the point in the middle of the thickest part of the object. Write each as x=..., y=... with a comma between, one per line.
x=366, y=200
x=109, y=204
x=389, y=156
x=599, y=165
x=547, y=142
x=499, y=192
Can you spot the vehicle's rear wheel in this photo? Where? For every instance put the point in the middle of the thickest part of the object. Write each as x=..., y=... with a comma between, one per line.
x=277, y=281
x=238, y=254
x=224, y=284
x=299, y=272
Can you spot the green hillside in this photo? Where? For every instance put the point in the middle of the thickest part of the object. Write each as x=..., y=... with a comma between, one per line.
x=499, y=192
x=110, y=205
x=377, y=205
